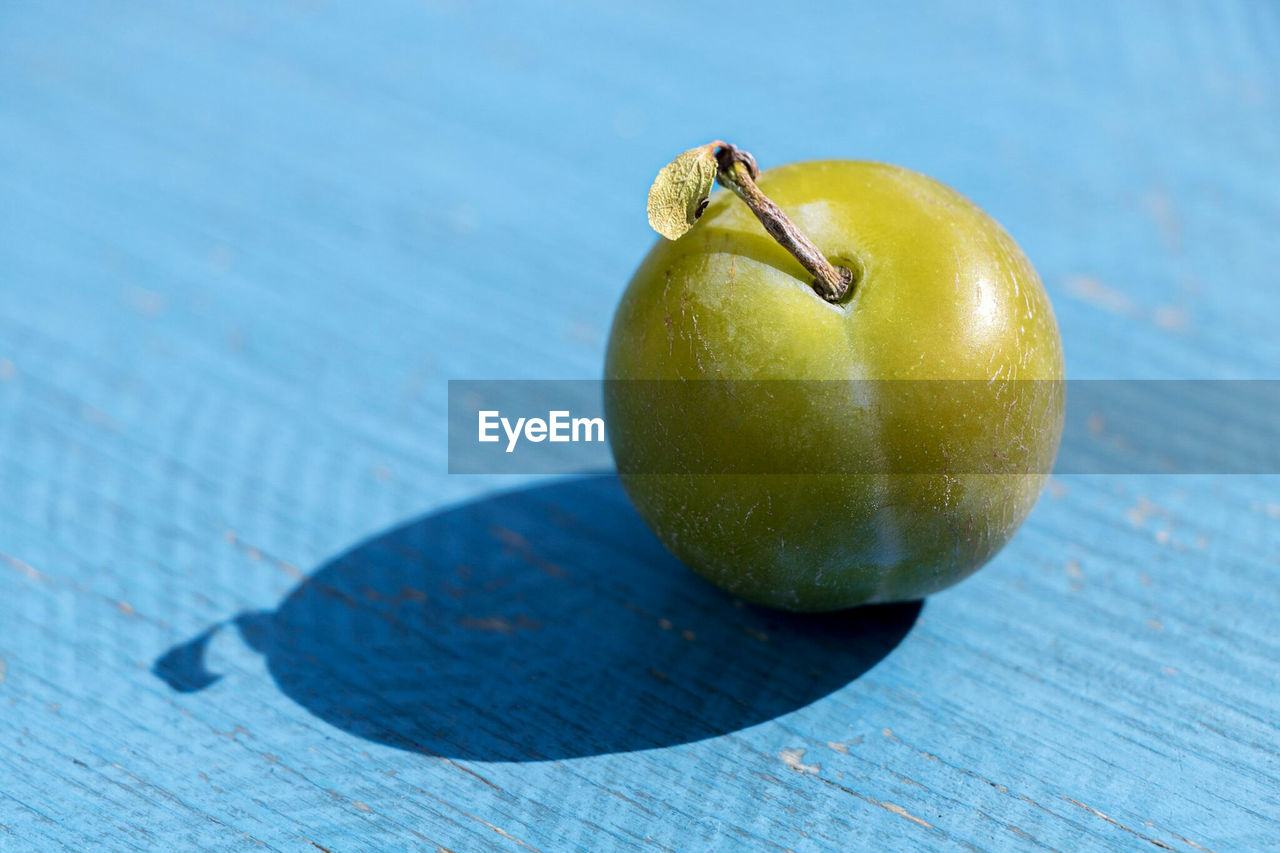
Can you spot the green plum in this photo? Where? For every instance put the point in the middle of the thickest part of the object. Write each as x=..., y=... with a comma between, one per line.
x=821, y=501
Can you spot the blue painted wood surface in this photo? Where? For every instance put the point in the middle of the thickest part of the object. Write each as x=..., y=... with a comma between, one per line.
x=244, y=246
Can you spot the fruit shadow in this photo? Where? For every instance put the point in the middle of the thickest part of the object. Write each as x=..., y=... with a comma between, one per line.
x=540, y=624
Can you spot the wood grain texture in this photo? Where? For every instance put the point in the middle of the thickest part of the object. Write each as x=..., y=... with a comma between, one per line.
x=244, y=246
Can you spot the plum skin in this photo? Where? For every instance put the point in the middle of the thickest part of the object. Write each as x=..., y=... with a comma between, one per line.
x=942, y=293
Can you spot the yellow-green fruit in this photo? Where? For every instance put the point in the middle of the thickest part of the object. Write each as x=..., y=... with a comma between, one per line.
x=883, y=492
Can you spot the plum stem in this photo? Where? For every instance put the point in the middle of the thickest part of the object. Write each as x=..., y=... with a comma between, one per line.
x=737, y=170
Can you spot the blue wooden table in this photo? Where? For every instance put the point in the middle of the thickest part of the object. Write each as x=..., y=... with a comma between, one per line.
x=244, y=246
